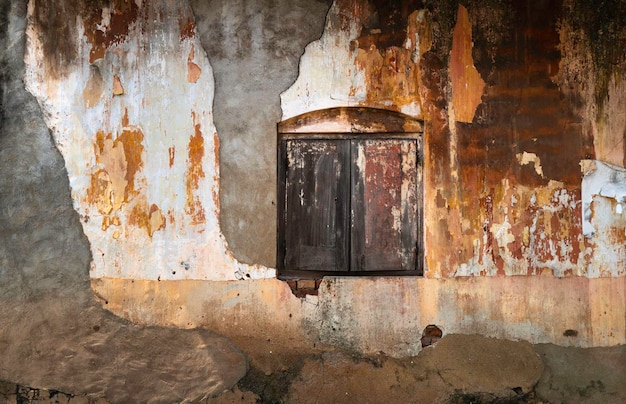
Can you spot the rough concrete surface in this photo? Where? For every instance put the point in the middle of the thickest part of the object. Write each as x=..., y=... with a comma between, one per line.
x=254, y=48
x=83, y=350
x=501, y=371
x=591, y=375
x=457, y=369
x=53, y=335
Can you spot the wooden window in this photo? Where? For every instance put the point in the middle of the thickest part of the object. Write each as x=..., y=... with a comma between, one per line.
x=350, y=194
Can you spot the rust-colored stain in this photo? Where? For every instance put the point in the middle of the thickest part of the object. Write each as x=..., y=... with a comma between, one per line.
x=171, y=153
x=193, y=70
x=385, y=54
x=101, y=36
x=187, y=28
x=515, y=206
x=121, y=159
x=351, y=119
x=467, y=85
x=390, y=76
x=195, y=154
x=99, y=192
x=110, y=221
x=149, y=218
x=118, y=89
x=113, y=189
x=131, y=139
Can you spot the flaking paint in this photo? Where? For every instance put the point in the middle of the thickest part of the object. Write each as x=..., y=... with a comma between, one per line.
x=496, y=215
x=142, y=161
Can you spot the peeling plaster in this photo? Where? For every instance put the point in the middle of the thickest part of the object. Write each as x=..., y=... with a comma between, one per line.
x=528, y=158
x=352, y=64
x=148, y=212
x=605, y=180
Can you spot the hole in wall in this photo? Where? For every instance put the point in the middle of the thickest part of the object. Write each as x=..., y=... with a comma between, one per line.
x=431, y=335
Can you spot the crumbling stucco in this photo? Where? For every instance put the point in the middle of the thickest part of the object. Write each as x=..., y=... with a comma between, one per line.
x=504, y=192
x=141, y=154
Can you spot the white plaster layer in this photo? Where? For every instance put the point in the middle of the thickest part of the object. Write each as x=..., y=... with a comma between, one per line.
x=327, y=71
x=143, y=166
x=335, y=71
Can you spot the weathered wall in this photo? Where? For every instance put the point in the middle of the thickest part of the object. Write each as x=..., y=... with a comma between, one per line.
x=43, y=251
x=520, y=101
x=254, y=48
x=513, y=112
x=128, y=93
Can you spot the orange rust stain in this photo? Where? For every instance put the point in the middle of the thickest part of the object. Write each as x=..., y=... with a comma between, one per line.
x=106, y=221
x=113, y=184
x=195, y=172
x=172, y=153
x=120, y=158
x=391, y=76
x=187, y=28
x=349, y=11
x=100, y=36
x=386, y=53
x=125, y=118
x=99, y=192
x=149, y=218
x=110, y=221
x=156, y=220
x=118, y=89
x=132, y=141
x=138, y=216
x=193, y=70
x=170, y=216
x=467, y=85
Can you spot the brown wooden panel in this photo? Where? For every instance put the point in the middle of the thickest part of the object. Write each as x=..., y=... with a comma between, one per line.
x=384, y=205
x=316, y=205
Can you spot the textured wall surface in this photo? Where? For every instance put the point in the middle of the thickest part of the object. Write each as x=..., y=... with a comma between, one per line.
x=42, y=248
x=128, y=95
x=254, y=48
x=523, y=108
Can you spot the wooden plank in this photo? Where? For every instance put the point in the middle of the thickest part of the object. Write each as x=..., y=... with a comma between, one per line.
x=316, y=216
x=384, y=205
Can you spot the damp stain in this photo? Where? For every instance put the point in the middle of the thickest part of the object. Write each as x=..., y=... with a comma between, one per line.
x=108, y=25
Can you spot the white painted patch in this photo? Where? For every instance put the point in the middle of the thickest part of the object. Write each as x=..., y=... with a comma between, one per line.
x=601, y=179
x=106, y=20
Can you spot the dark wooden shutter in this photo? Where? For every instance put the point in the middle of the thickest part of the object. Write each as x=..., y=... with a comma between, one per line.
x=317, y=203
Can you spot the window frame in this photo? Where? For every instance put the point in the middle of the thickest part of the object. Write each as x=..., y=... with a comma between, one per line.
x=346, y=123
